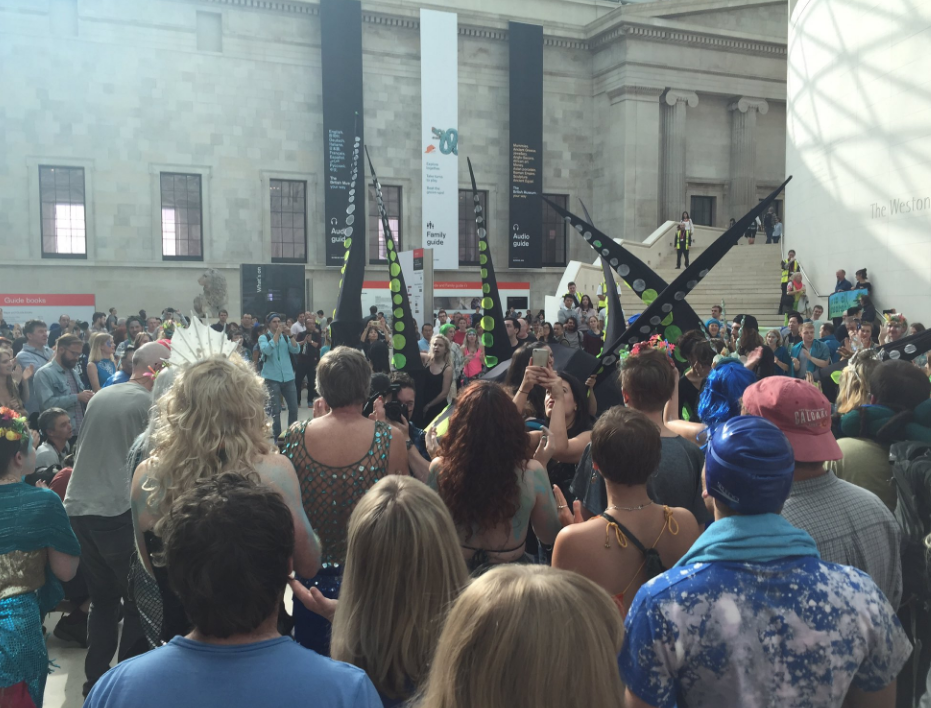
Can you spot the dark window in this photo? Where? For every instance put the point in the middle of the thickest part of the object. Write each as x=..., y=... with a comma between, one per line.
x=554, y=231
x=468, y=231
x=702, y=211
x=378, y=253
x=182, y=218
x=289, y=221
x=61, y=192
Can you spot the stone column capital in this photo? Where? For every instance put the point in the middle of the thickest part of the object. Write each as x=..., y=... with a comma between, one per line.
x=628, y=92
x=674, y=96
x=744, y=104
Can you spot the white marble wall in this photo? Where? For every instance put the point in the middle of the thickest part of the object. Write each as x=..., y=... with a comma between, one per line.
x=859, y=130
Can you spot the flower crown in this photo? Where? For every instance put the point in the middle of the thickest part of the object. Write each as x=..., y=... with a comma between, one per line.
x=12, y=425
x=654, y=342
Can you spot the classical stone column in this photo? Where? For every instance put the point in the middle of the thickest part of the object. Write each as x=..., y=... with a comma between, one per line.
x=627, y=160
x=672, y=177
x=742, y=191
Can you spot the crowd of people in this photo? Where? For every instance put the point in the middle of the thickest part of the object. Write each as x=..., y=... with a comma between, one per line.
x=732, y=535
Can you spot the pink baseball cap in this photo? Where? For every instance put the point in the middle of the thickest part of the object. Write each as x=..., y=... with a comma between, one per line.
x=800, y=411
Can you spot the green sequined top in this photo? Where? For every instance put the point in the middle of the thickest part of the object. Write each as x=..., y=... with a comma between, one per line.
x=329, y=494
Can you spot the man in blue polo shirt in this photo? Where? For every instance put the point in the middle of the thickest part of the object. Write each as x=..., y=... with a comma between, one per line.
x=234, y=656
x=751, y=616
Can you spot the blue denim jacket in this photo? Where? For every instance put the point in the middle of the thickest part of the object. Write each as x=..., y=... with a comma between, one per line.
x=51, y=388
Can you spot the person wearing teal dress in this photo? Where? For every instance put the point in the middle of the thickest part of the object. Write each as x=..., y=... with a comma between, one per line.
x=38, y=550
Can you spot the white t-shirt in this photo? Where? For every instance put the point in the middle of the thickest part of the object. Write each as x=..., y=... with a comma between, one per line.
x=297, y=328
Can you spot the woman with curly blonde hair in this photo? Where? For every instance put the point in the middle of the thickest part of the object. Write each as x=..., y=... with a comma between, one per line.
x=508, y=643
x=211, y=421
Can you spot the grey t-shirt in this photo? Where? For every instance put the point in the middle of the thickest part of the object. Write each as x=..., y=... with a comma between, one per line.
x=676, y=482
x=100, y=482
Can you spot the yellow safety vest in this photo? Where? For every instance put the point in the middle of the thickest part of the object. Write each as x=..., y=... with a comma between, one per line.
x=794, y=267
x=687, y=236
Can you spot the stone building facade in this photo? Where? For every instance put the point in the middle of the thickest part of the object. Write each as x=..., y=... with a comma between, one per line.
x=646, y=107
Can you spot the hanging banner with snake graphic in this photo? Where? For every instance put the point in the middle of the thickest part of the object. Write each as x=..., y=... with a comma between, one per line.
x=439, y=109
x=495, y=335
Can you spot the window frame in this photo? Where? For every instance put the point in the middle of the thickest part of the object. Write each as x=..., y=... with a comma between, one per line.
x=374, y=216
x=472, y=231
x=161, y=216
x=563, y=201
x=83, y=204
x=713, y=208
x=285, y=259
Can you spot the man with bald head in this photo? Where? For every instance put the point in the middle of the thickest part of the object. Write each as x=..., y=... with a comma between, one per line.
x=97, y=501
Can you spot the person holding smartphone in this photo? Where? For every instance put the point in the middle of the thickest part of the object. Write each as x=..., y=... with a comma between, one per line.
x=276, y=347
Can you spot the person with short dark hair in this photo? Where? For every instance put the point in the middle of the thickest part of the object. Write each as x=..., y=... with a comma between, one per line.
x=55, y=432
x=426, y=334
x=572, y=336
x=512, y=327
x=648, y=381
x=220, y=325
x=626, y=449
x=229, y=544
x=792, y=335
x=112, y=320
x=98, y=322
x=134, y=326
x=35, y=353
x=751, y=616
x=58, y=383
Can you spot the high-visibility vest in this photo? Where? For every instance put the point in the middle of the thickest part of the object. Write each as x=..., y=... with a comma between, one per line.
x=794, y=267
x=684, y=238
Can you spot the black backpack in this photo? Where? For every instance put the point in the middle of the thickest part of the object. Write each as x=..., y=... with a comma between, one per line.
x=911, y=475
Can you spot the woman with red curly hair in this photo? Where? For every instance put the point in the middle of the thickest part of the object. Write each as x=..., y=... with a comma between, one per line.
x=492, y=488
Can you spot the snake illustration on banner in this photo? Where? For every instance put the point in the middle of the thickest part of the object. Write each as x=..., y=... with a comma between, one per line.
x=642, y=279
x=449, y=140
x=615, y=324
x=404, y=341
x=347, y=317
x=652, y=319
x=495, y=336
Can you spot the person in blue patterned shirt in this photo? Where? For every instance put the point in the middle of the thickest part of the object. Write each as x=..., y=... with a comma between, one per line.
x=751, y=616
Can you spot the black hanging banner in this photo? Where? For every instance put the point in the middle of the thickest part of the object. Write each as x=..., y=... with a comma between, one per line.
x=341, y=60
x=525, y=230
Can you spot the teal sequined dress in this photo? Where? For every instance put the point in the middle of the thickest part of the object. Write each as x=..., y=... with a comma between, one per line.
x=31, y=521
x=329, y=494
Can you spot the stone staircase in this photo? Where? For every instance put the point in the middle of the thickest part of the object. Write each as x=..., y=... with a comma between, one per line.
x=746, y=281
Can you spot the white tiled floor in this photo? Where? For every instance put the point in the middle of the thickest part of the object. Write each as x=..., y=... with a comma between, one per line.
x=63, y=688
